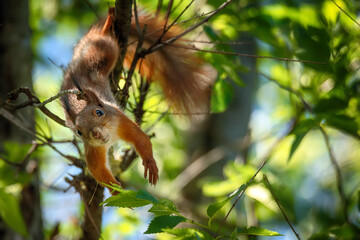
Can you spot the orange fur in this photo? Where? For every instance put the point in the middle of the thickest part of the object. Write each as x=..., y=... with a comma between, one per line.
x=130, y=132
x=96, y=163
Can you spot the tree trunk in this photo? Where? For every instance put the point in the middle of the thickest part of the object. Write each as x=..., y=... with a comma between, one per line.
x=92, y=198
x=228, y=129
x=15, y=71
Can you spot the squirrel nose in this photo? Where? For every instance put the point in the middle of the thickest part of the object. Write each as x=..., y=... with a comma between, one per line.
x=96, y=133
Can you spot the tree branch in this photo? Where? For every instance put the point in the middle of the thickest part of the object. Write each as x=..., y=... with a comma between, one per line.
x=267, y=183
x=193, y=27
x=339, y=181
x=123, y=10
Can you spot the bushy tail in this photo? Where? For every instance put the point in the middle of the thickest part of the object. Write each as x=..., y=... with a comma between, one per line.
x=182, y=75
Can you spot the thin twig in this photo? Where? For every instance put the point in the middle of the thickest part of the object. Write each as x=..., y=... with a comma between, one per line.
x=92, y=9
x=173, y=39
x=238, y=197
x=177, y=18
x=220, y=42
x=338, y=174
x=290, y=90
x=158, y=8
x=18, y=165
x=266, y=180
x=193, y=48
x=347, y=14
x=62, y=93
x=13, y=119
x=163, y=114
x=336, y=166
x=168, y=11
x=139, y=53
x=265, y=158
x=34, y=101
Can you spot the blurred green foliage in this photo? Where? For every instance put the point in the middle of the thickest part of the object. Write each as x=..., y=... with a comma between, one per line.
x=298, y=96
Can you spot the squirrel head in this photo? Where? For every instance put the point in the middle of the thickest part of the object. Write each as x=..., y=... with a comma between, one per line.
x=95, y=122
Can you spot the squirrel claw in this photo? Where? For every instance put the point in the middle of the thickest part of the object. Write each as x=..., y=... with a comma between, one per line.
x=150, y=166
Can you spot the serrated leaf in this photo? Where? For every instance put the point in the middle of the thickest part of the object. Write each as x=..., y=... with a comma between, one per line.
x=163, y=207
x=162, y=222
x=258, y=231
x=188, y=233
x=126, y=199
x=142, y=194
x=10, y=213
x=221, y=96
x=215, y=207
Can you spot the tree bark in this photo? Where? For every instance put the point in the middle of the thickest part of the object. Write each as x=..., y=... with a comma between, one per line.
x=15, y=71
x=92, y=198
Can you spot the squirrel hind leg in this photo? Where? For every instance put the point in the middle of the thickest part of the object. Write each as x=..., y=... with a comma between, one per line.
x=109, y=20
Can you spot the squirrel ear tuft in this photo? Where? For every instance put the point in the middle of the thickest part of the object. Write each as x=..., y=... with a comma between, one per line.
x=91, y=97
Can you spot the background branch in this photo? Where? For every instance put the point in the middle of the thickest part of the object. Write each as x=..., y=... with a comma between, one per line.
x=267, y=183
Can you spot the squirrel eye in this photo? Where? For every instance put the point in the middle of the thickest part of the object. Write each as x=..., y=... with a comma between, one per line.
x=99, y=113
x=79, y=133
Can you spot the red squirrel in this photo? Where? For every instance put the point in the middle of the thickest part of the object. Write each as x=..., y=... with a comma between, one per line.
x=98, y=120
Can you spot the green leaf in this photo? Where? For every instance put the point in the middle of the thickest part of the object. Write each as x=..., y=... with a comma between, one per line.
x=126, y=199
x=343, y=123
x=295, y=144
x=10, y=212
x=358, y=201
x=215, y=207
x=304, y=126
x=258, y=231
x=330, y=105
x=310, y=40
x=162, y=222
x=188, y=234
x=15, y=152
x=234, y=234
x=221, y=96
x=300, y=130
x=142, y=194
x=163, y=207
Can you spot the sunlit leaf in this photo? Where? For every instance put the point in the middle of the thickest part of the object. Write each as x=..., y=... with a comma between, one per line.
x=163, y=207
x=234, y=234
x=127, y=198
x=188, y=234
x=15, y=152
x=258, y=231
x=10, y=212
x=221, y=96
x=215, y=207
x=162, y=222
x=300, y=130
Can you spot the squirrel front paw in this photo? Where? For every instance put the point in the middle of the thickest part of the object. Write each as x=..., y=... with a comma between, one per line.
x=150, y=166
